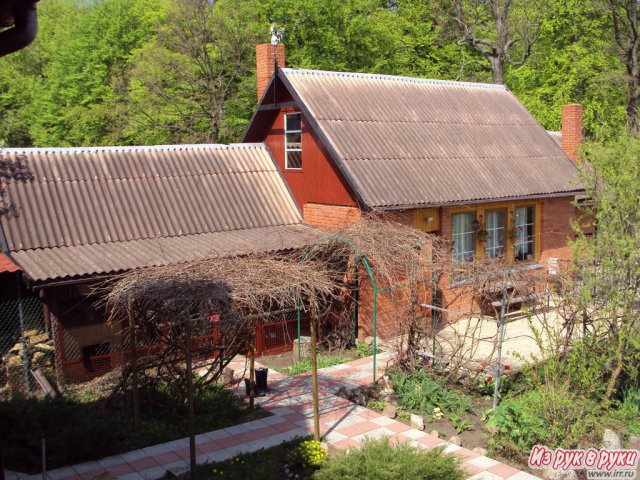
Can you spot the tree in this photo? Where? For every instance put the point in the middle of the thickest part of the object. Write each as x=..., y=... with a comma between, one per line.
x=16, y=170
x=624, y=14
x=573, y=63
x=500, y=30
x=609, y=263
x=187, y=81
x=79, y=99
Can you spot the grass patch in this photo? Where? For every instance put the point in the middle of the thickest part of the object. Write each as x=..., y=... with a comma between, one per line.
x=95, y=430
x=266, y=464
x=324, y=361
x=379, y=460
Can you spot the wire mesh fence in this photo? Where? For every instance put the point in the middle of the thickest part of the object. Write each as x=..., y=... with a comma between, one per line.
x=25, y=345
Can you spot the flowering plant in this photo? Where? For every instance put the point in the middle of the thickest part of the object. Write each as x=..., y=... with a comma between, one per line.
x=309, y=453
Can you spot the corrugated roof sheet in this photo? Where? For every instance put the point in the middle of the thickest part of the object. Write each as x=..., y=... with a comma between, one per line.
x=104, y=258
x=97, y=210
x=7, y=265
x=407, y=141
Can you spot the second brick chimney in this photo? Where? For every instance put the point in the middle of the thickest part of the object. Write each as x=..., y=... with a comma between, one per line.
x=266, y=64
x=572, y=130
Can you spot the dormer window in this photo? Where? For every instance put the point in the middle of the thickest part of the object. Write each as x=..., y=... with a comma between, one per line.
x=293, y=141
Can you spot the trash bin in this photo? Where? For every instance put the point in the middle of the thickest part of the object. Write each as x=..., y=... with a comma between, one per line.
x=261, y=379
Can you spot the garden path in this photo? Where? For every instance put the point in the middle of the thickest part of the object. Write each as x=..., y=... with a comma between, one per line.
x=342, y=423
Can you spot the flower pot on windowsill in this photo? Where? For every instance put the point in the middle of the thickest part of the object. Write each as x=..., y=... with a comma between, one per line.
x=514, y=235
x=483, y=237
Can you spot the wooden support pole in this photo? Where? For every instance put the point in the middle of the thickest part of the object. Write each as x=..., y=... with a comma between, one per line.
x=190, y=422
x=134, y=370
x=314, y=371
x=252, y=374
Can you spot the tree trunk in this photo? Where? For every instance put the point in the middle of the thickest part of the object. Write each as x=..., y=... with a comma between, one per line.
x=497, y=70
x=611, y=387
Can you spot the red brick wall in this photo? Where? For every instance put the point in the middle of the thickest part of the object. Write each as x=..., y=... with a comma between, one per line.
x=392, y=309
x=330, y=216
x=265, y=65
x=571, y=130
x=555, y=228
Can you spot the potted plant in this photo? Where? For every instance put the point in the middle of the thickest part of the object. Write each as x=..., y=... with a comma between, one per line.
x=483, y=236
x=514, y=234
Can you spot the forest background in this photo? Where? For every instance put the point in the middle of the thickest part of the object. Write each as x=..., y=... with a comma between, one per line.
x=140, y=72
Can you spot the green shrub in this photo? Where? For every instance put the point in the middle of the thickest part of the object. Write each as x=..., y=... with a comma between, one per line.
x=362, y=350
x=377, y=405
x=324, y=361
x=420, y=393
x=378, y=460
x=546, y=415
x=309, y=453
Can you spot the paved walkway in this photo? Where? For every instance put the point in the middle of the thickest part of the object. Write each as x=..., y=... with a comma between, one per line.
x=343, y=424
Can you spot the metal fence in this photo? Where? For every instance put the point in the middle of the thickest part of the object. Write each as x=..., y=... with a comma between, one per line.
x=80, y=360
x=25, y=345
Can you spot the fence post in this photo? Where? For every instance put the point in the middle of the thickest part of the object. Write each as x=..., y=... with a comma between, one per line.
x=25, y=352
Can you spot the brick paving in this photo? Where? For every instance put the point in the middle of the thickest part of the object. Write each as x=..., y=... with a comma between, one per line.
x=342, y=423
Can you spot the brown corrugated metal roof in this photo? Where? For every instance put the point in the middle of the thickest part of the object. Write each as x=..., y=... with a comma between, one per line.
x=407, y=141
x=46, y=264
x=97, y=210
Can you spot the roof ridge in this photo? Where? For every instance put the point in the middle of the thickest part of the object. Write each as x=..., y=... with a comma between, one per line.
x=131, y=148
x=398, y=78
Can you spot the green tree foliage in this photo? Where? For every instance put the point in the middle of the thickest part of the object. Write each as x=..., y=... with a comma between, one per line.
x=610, y=262
x=168, y=71
x=573, y=62
x=81, y=101
x=194, y=81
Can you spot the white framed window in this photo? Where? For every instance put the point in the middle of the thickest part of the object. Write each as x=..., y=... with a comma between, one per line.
x=463, y=236
x=293, y=141
x=524, y=245
x=495, y=221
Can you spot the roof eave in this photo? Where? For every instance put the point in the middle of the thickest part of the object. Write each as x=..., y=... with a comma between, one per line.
x=455, y=203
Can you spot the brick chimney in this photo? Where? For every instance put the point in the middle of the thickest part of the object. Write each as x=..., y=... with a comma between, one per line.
x=572, y=130
x=266, y=64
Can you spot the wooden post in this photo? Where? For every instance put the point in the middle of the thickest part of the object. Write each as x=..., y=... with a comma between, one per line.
x=314, y=372
x=190, y=422
x=252, y=374
x=134, y=370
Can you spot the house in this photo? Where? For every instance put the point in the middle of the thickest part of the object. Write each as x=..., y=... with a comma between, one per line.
x=451, y=158
x=94, y=212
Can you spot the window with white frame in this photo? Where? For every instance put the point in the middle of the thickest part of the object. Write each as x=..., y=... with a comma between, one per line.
x=463, y=236
x=495, y=221
x=293, y=141
x=524, y=244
